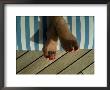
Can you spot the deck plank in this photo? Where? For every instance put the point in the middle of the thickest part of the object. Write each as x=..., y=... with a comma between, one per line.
x=19, y=53
x=27, y=59
x=89, y=70
x=63, y=62
x=81, y=73
x=39, y=64
x=80, y=64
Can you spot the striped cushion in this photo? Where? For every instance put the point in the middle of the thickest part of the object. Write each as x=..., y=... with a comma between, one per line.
x=31, y=31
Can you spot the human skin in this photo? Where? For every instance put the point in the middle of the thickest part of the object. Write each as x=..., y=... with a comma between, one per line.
x=58, y=28
x=68, y=41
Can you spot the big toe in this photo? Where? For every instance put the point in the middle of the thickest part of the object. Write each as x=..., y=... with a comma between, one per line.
x=52, y=55
x=75, y=45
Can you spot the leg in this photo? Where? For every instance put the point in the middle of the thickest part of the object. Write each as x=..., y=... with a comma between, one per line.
x=50, y=46
x=68, y=41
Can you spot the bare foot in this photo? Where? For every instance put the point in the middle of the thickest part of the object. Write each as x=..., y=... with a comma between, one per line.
x=50, y=46
x=68, y=41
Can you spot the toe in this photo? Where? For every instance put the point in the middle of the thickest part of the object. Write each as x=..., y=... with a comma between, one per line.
x=47, y=56
x=67, y=48
x=75, y=45
x=51, y=58
x=52, y=55
x=71, y=49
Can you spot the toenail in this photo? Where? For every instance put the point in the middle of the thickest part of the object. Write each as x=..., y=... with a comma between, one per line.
x=76, y=48
x=71, y=50
x=47, y=56
x=50, y=58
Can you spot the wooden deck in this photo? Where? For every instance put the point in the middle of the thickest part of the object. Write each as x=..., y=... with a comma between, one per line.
x=33, y=62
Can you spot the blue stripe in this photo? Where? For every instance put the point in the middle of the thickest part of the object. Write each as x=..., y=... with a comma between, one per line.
x=27, y=32
x=70, y=22
x=36, y=37
x=44, y=19
x=18, y=32
x=78, y=29
x=61, y=48
x=86, y=31
x=93, y=44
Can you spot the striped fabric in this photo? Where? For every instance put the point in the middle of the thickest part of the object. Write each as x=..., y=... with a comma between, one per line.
x=31, y=31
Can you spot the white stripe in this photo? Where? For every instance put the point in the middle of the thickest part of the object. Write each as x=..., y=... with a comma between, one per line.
x=74, y=26
x=40, y=34
x=82, y=19
x=38, y=18
x=16, y=47
x=23, y=38
x=32, y=32
x=58, y=44
x=91, y=32
x=65, y=18
x=16, y=44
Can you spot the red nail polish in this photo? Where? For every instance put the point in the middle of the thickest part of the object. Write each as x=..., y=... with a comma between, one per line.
x=51, y=58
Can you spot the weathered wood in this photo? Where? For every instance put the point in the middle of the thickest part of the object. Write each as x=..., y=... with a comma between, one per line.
x=40, y=64
x=27, y=59
x=80, y=64
x=19, y=53
x=64, y=62
x=89, y=70
x=81, y=73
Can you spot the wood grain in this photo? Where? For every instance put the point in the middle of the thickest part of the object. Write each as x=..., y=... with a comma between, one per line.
x=89, y=70
x=80, y=64
x=27, y=59
x=19, y=53
x=63, y=62
x=39, y=64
